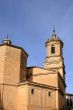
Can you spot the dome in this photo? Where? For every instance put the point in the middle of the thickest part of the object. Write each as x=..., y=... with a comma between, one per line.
x=7, y=41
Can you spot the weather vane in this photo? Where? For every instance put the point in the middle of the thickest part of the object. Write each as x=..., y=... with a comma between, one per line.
x=7, y=36
x=53, y=28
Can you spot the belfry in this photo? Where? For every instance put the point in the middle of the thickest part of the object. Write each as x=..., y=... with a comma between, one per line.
x=54, y=58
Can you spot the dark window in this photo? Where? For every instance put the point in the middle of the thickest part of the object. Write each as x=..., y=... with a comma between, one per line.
x=49, y=93
x=70, y=102
x=32, y=91
x=67, y=102
x=52, y=49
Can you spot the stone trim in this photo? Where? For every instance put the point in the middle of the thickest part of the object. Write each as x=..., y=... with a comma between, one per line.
x=37, y=84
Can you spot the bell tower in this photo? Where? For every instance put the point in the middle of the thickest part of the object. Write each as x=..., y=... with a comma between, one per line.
x=54, y=59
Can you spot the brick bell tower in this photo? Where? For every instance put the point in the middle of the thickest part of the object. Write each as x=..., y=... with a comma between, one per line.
x=54, y=59
x=13, y=62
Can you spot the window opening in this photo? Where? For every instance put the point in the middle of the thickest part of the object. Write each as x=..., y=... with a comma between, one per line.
x=52, y=49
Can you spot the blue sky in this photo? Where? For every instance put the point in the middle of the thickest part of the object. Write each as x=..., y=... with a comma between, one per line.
x=29, y=23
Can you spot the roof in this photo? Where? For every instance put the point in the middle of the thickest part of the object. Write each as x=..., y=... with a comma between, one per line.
x=14, y=46
x=69, y=94
x=31, y=67
x=50, y=72
x=37, y=84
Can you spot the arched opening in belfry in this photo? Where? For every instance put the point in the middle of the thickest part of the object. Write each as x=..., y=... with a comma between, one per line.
x=52, y=49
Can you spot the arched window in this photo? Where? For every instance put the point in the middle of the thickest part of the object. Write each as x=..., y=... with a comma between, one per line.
x=70, y=102
x=67, y=102
x=52, y=49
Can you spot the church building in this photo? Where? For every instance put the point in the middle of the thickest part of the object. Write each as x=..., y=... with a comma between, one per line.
x=32, y=88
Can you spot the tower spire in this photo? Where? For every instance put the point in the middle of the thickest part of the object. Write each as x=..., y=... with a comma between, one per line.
x=53, y=29
x=54, y=34
x=7, y=36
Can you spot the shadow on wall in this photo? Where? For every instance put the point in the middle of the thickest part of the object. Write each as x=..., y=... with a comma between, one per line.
x=1, y=101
